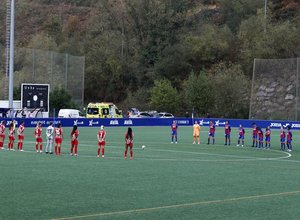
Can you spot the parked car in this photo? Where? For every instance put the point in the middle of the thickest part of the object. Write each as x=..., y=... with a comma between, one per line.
x=141, y=115
x=70, y=113
x=165, y=115
x=153, y=113
x=133, y=113
x=144, y=115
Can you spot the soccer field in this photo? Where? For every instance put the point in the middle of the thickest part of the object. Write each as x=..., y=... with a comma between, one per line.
x=163, y=181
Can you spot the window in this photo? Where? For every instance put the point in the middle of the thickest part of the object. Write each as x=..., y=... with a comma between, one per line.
x=92, y=111
x=105, y=111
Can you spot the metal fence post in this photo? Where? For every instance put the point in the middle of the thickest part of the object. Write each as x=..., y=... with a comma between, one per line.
x=252, y=87
x=66, y=72
x=33, y=64
x=297, y=89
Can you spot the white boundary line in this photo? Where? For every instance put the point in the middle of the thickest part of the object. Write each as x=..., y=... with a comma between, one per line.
x=199, y=203
x=238, y=158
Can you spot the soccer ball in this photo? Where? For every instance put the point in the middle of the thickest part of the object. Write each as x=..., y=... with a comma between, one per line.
x=143, y=147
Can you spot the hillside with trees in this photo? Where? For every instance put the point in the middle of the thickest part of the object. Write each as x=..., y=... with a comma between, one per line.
x=168, y=55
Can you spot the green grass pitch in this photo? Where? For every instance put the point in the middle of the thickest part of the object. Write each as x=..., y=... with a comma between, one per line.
x=163, y=181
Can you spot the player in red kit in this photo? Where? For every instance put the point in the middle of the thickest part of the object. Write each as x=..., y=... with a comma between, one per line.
x=254, y=135
x=58, y=139
x=174, y=128
x=74, y=140
x=128, y=143
x=268, y=137
x=227, y=133
x=101, y=141
x=241, y=136
x=260, y=134
x=211, y=133
x=2, y=134
x=11, y=135
x=289, y=137
x=282, y=138
x=20, y=132
x=38, y=137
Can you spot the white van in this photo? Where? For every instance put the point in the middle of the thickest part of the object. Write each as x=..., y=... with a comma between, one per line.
x=70, y=113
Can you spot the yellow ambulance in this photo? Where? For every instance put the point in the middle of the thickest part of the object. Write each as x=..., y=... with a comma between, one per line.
x=103, y=110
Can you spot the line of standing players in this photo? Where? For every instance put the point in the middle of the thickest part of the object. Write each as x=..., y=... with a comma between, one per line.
x=55, y=134
x=257, y=135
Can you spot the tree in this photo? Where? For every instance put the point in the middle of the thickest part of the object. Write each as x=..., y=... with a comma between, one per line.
x=231, y=91
x=278, y=40
x=213, y=44
x=164, y=97
x=198, y=93
x=59, y=99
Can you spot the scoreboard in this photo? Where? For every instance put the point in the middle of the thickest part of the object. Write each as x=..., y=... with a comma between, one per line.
x=35, y=96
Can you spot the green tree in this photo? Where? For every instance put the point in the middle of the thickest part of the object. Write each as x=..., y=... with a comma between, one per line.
x=278, y=40
x=164, y=97
x=231, y=91
x=213, y=44
x=59, y=99
x=198, y=93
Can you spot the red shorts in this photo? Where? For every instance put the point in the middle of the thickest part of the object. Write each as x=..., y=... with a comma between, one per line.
x=2, y=136
x=21, y=137
x=101, y=143
x=58, y=140
x=11, y=138
x=39, y=139
x=74, y=142
x=129, y=145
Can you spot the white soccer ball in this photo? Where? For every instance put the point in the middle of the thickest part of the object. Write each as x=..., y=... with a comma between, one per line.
x=143, y=147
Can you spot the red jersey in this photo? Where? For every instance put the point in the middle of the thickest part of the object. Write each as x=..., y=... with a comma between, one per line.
x=58, y=132
x=260, y=134
x=2, y=129
x=38, y=132
x=75, y=135
x=241, y=131
x=174, y=127
x=282, y=134
x=289, y=136
x=254, y=131
x=268, y=133
x=128, y=139
x=227, y=129
x=212, y=128
x=21, y=130
x=101, y=135
x=11, y=132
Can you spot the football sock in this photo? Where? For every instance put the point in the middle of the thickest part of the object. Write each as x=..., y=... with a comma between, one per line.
x=59, y=150
x=98, y=151
x=125, y=153
x=75, y=149
x=131, y=153
x=41, y=147
x=36, y=147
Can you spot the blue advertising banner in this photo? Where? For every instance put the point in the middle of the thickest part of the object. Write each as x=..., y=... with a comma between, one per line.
x=111, y=122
